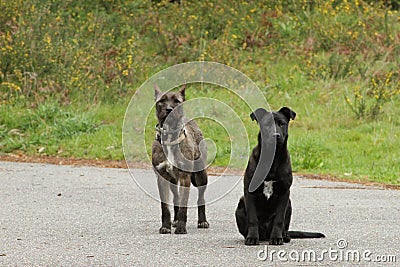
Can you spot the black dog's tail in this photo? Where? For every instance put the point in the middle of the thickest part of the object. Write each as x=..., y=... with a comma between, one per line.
x=301, y=234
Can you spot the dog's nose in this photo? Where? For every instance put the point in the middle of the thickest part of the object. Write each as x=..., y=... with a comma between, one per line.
x=169, y=109
x=276, y=135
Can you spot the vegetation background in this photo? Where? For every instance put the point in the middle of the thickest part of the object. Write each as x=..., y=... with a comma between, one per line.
x=69, y=68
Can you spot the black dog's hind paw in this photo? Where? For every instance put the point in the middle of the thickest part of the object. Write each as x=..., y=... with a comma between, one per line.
x=286, y=238
x=180, y=230
x=252, y=241
x=175, y=223
x=203, y=225
x=164, y=230
x=276, y=241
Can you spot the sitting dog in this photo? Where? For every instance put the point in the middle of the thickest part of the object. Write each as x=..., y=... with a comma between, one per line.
x=178, y=141
x=265, y=212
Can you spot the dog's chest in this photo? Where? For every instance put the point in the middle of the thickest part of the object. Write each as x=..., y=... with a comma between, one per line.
x=169, y=162
x=169, y=150
x=268, y=189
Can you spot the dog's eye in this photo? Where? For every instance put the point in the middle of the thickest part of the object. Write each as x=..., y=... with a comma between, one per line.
x=177, y=101
x=281, y=123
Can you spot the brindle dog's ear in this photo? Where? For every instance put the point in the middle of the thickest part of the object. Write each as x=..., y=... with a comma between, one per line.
x=157, y=92
x=289, y=114
x=258, y=114
x=182, y=91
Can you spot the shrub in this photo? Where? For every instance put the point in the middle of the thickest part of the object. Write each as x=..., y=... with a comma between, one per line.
x=368, y=101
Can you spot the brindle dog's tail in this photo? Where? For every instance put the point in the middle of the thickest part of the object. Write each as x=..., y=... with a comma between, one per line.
x=301, y=234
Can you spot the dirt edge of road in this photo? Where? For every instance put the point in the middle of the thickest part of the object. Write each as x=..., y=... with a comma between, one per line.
x=213, y=170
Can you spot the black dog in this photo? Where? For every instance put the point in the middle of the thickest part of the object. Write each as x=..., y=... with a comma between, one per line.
x=178, y=159
x=265, y=212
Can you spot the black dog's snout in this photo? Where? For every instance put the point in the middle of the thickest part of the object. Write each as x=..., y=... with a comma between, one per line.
x=276, y=135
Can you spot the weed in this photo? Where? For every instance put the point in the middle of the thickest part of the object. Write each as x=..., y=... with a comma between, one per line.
x=369, y=101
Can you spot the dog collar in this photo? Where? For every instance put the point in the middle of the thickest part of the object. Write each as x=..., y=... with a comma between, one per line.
x=160, y=131
x=164, y=131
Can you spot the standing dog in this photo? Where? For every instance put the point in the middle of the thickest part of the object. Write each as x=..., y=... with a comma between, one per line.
x=265, y=213
x=178, y=159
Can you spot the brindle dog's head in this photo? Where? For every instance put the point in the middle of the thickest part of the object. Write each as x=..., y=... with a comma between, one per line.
x=274, y=126
x=168, y=102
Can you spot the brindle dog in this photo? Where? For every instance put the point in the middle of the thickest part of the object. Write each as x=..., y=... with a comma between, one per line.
x=178, y=159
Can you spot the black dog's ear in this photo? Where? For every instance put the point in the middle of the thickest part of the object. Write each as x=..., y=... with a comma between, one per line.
x=182, y=91
x=258, y=114
x=289, y=114
x=157, y=92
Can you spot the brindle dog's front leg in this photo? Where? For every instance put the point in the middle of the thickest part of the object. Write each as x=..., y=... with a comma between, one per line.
x=252, y=220
x=184, y=188
x=163, y=189
x=175, y=194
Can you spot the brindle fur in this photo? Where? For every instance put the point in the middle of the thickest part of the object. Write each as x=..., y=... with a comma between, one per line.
x=168, y=176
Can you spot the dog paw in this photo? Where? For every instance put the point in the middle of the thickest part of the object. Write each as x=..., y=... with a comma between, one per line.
x=180, y=230
x=175, y=223
x=276, y=241
x=203, y=225
x=286, y=238
x=164, y=230
x=252, y=241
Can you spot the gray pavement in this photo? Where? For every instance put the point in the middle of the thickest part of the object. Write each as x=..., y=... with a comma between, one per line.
x=83, y=216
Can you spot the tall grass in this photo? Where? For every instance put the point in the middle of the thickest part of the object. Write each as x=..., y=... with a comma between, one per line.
x=68, y=69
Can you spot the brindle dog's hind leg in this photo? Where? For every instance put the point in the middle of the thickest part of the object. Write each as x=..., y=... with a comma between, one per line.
x=200, y=181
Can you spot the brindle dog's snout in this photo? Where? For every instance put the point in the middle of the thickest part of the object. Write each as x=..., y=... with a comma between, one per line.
x=168, y=109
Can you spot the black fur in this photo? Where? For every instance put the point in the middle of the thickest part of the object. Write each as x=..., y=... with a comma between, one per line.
x=258, y=217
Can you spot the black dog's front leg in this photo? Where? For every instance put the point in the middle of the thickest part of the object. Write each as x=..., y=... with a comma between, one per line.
x=252, y=220
x=288, y=216
x=279, y=220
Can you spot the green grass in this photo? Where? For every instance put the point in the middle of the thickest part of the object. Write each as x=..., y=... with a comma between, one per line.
x=54, y=130
x=68, y=71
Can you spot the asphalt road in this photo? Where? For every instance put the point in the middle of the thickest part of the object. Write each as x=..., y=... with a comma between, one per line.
x=83, y=216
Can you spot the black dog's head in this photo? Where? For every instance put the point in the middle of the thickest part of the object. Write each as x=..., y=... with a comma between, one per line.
x=273, y=125
x=168, y=102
